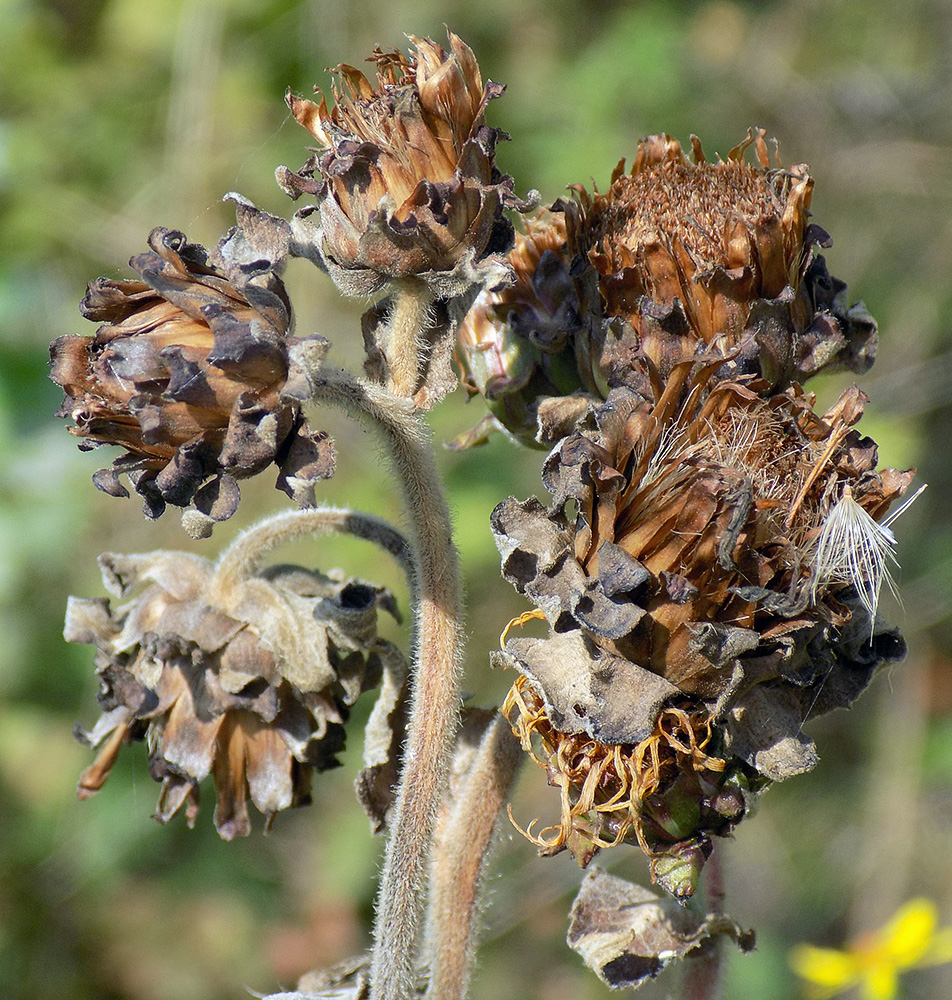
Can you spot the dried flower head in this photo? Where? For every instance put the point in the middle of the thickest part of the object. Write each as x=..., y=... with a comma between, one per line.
x=519, y=345
x=188, y=373
x=405, y=183
x=715, y=256
x=684, y=564
x=244, y=674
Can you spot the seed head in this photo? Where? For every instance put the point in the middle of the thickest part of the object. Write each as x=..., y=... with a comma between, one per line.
x=714, y=256
x=685, y=566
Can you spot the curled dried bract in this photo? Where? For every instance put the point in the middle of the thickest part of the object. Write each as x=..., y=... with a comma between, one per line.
x=628, y=935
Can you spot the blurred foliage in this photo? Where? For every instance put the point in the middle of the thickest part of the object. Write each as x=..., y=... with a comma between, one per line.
x=118, y=115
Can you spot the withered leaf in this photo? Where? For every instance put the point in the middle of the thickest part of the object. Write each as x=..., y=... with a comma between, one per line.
x=627, y=935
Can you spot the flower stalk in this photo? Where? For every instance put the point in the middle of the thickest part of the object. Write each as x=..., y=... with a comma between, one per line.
x=434, y=713
x=409, y=316
x=702, y=976
x=244, y=555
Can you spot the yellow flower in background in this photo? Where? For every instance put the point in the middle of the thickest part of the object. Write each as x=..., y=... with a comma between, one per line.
x=874, y=961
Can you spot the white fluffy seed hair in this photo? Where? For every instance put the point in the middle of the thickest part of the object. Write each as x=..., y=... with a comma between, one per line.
x=854, y=548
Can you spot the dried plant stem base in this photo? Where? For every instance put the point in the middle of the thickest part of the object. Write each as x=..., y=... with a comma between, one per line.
x=464, y=838
x=435, y=698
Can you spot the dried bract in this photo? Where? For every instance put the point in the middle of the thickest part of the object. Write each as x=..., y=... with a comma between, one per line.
x=188, y=373
x=714, y=256
x=248, y=678
x=628, y=935
x=405, y=181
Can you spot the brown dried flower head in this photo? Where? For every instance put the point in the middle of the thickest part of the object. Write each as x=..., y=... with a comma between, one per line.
x=710, y=556
x=247, y=676
x=720, y=256
x=519, y=345
x=406, y=184
x=189, y=373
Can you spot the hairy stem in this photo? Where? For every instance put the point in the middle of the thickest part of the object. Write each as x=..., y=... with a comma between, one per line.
x=462, y=848
x=409, y=314
x=434, y=712
x=243, y=557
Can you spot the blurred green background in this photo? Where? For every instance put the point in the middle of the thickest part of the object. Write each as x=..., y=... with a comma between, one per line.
x=118, y=115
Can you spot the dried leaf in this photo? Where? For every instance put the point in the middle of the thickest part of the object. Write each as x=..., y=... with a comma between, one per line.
x=627, y=935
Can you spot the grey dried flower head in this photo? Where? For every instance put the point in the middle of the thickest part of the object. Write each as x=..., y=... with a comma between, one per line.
x=406, y=184
x=698, y=618
x=188, y=373
x=715, y=256
x=244, y=674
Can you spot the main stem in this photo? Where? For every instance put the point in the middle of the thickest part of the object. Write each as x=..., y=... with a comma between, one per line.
x=434, y=713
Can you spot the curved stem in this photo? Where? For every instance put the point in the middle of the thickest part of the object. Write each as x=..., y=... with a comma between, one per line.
x=243, y=557
x=434, y=712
